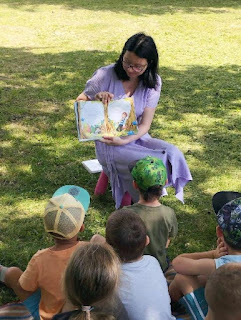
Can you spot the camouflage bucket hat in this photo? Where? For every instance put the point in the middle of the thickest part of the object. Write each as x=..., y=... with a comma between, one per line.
x=229, y=220
x=149, y=172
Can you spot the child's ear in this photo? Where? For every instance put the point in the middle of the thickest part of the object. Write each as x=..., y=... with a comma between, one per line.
x=219, y=232
x=82, y=228
x=135, y=185
x=147, y=240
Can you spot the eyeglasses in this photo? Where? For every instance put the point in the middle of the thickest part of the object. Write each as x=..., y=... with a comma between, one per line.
x=134, y=68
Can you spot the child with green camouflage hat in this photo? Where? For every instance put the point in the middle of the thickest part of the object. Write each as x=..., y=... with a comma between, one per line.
x=194, y=268
x=149, y=176
x=39, y=286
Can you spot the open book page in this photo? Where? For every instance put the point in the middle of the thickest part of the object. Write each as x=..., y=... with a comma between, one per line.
x=95, y=120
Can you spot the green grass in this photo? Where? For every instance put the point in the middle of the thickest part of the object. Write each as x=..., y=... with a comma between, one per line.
x=49, y=48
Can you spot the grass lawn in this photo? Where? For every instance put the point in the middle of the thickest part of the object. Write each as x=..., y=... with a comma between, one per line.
x=49, y=49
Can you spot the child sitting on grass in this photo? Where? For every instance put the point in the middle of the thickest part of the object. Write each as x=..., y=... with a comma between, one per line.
x=194, y=268
x=223, y=293
x=92, y=276
x=143, y=288
x=39, y=286
x=150, y=175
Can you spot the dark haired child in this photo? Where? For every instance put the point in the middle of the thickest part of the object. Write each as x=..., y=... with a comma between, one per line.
x=149, y=176
x=39, y=286
x=143, y=288
x=194, y=268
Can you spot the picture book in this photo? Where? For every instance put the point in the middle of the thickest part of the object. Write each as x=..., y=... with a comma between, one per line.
x=95, y=120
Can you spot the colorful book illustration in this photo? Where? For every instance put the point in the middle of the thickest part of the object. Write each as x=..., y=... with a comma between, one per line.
x=95, y=120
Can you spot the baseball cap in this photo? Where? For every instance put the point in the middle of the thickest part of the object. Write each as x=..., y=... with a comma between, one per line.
x=222, y=197
x=148, y=172
x=229, y=216
x=65, y=211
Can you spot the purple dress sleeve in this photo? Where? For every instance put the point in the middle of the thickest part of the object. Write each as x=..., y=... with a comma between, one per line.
x=97, y=83
x=154, y=94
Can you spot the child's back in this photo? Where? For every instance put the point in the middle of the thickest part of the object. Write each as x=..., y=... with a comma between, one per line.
x=143, y=289
x=161, y=224
x=44, y=271
x=149, y=176
x=40, y=285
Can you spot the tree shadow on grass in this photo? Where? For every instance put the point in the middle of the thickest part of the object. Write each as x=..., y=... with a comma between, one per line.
x=136, y=8
x=208, y=90
x=39, y=130
x=37, y=119
x=199, y=93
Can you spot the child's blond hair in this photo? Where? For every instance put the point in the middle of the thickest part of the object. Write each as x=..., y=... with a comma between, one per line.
x=223, y=292
x=92, y=275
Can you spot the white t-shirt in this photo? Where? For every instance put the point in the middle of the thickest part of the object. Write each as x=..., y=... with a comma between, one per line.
x=143, y=290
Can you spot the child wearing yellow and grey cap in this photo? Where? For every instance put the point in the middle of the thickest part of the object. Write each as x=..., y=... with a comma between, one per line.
x=39, y=286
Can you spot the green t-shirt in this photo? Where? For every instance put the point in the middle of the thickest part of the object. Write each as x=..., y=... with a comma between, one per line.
x=161, y=224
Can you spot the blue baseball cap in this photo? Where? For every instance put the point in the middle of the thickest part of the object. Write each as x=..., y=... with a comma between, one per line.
x=80, y=194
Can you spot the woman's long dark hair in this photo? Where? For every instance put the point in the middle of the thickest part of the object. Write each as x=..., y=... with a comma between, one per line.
x=144, y=47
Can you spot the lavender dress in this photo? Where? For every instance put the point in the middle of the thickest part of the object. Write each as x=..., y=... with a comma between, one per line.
x=115, y=159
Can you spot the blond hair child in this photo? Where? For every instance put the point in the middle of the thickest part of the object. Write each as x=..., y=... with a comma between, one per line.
x=91, y=277
x=223, y=293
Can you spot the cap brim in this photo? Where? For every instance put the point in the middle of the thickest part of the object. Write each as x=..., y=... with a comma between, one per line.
x=223, y=197
x=80, y=194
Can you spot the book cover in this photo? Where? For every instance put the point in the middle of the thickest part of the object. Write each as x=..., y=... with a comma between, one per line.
x=95, y=120
x=93, y=165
